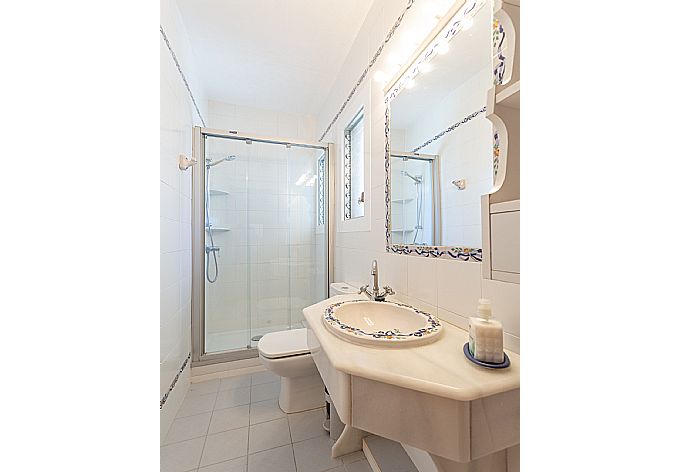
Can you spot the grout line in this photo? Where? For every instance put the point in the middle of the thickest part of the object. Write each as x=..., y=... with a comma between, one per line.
x=292, y=447
x=207, y=428
x=249, y=426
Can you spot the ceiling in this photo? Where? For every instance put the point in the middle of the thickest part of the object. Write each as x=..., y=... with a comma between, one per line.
x=280, y=55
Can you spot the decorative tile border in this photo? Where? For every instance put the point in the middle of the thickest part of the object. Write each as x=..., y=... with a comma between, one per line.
x=498, y=43
x=433, y=325
x=174, y=382
x=373, y=60
x=321, y=182
x=497, y=151
x=347, y=177
x=449, y=129
x=184, y=79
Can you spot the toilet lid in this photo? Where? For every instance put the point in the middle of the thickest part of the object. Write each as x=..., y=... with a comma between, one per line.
x=284, y=343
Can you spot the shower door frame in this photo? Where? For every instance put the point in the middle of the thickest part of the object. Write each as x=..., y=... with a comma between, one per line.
x=435, y=187
x=199, y=355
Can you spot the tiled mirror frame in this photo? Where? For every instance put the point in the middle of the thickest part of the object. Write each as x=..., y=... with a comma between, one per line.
x=428, y=52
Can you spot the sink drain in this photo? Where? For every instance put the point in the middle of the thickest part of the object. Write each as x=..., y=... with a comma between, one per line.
x=257, y=337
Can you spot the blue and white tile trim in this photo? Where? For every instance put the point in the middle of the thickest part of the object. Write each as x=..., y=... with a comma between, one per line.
x=321, y=172
x=174, y=382
x=347, y=177
x=452, y=127
x=184, y=79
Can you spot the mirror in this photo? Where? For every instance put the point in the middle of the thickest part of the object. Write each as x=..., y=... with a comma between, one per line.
x=439, y=145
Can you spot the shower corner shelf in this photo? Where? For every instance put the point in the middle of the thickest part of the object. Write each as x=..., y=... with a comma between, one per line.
x=217, y=229
x=218, y=192
x=402, y=200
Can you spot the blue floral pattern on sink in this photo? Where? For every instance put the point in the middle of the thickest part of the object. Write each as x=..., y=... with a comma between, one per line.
x=433, y=324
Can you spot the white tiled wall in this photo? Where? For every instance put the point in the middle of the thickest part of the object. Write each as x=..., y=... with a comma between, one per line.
x=176, y=121
x=445, y=287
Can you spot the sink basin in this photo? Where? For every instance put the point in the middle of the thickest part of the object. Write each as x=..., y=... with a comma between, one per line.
x=381, y=323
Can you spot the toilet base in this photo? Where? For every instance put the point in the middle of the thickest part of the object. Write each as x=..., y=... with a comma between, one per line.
x=301, y=393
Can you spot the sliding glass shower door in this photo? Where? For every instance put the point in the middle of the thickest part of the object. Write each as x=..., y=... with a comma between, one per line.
x=265, y=238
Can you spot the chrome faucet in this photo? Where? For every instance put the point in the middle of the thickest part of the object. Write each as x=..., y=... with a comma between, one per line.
x=376, y=294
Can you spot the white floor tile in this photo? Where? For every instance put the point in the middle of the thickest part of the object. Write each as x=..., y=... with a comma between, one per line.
x=267, y=410
x=233, y=465
x=265, y=391
x=307, y=424
x=188, y=427
x=235, y=382
x=201, y=388
x=268, y=435
x=314, y=455
x=264, y=377
x=229, y=418
x=195, y=405
x=231, y=398
x=181, y=456
x=360, y=466
x=353, y=457
x=279, y=459
x=224, y=446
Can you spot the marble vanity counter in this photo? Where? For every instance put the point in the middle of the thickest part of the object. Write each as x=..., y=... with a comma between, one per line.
x=438, y=369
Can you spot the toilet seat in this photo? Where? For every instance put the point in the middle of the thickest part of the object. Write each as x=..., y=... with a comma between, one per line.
x=282, y=344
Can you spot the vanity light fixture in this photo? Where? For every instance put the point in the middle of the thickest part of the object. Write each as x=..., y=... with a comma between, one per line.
x=410, y=83
x=461, y=21
x=424, y=67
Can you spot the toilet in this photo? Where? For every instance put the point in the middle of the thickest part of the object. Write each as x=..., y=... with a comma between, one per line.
x=286, y=354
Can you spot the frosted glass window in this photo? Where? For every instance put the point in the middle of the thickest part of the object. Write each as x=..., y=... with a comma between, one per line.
x=354, y=168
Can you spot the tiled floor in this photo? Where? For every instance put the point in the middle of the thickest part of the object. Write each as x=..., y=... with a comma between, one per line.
x=235, y=425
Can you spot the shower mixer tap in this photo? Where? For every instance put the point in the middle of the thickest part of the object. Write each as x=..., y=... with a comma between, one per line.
x=376, y=294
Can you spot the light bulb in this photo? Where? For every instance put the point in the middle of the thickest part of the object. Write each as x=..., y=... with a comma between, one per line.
x=410, y=83
x=442, y=47
x=424, y=67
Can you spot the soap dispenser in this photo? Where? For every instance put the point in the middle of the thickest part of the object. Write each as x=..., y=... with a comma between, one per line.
x=486, y=335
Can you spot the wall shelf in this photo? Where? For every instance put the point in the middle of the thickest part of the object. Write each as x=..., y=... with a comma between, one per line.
x=509, y=96
x=218, y=192
x=401, y=230
x=217, y=229
x=402, y=200
x=501, y=207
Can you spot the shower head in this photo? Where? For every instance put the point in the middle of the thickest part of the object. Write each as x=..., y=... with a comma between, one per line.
x=417, y=179
x=210, y=163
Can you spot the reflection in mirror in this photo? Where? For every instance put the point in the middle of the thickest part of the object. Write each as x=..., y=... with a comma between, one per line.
x=440, y=158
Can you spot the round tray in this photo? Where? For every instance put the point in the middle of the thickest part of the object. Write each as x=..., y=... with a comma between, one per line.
x=490, y=365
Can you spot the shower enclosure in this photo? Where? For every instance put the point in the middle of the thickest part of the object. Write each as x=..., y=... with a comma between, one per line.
x=414, y=198
x=260, y=243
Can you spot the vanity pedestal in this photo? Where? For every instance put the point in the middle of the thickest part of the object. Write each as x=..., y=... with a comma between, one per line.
x=429, y=398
